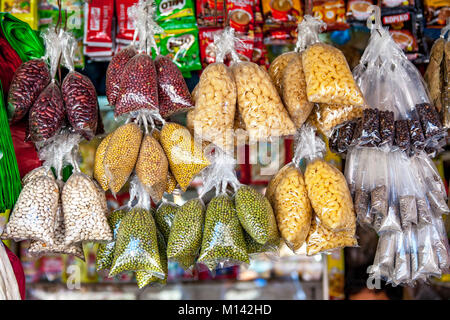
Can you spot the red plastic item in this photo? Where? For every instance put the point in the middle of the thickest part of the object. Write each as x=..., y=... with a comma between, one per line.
x=18, y=271
x=98, y=23
x=125, y=25
x=10, y=61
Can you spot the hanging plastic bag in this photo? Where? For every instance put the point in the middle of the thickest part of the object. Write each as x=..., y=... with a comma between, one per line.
x=115, y=71
x=277, y=68
x=327, y=188
x=185, y=154
x=99, y=168
x=29, y=80
x=173, y=94
x=164, y=216
x=215, y=96
x=185, y=237
x=84, y=206
x=78, y=92
x=105, y=251
x=152, y=167
x=136, y=247
x=47, y=112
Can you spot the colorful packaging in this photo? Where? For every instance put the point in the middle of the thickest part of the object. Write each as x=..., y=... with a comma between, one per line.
x=125, y=24
x=211, y=12
x=25, y=10
x=167, y=10
x=285, y=12
x=257, y=12
x=240, y=15
x=207, y=47
x=359, y=9
x=403, y=31
x=436, y=12
x=245, y=46
x=396, y=3
x=279, y=35
x=180, y=43
x=331, y=12
x=98, y=23
x=258, y=47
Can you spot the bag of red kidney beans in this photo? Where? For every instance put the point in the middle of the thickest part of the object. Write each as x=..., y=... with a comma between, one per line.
x=47, y=113
x=79, y=95
x=29, y=80
x=173, y=93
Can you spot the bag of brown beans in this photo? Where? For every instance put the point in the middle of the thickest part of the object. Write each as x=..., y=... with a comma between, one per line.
x=80, y=97
x=115, y=71
x=47, y=113
x=173, y=94
x=28, y=82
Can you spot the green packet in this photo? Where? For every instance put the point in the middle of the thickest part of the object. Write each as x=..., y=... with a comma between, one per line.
x=175, y=9
x=180, y=43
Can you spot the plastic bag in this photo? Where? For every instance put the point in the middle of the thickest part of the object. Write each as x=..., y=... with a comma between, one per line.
x=28, y=82
x=173, y=94
x=35, y=214
x=293, y=87
x=105, y=251
x=115, y=71
x=85, y=209
x=185, y=237
x=47, y=112
x=327, y=188
x=277, y=68
x=383, y=263
x=152, y=167
x=121, y=155
x=78, y=92
x=223, y=241
x=256, y=215
x=321, y=239
x=185, y=154
x=259, y=103
x=363, y=191
x=99, y=168
x=433, y=74
x=287, y=193
x=136, y=247
x=164, y=216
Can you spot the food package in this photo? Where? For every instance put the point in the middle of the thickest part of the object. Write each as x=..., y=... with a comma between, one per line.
x=136, y=248
x=277, y=68
x=164, y=216
x=98, y=15
x=185, y=237
x=115, y=71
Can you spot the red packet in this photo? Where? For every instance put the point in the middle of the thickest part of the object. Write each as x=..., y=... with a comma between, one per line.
x=244, y=47
x=282, y=12
x=26, y=155
x=98, y=23
x=210, y=12
x=97, y=51
x=240, y=15
x=207, y=48
x=125, y=25
x=258, y=47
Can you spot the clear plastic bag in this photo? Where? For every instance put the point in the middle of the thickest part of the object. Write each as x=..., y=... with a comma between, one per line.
x=105, y=251
x=29, y=80
x=289, y=198
x=223, y=241
x=256, y=215
x=362, y=197
x=259, y=103
x=185, y=237
x=173, y=94
x=384, y=261
x=380, y=180
x=78, y=92
x=433, y=74
x=327, y=187
x=136, y=247
x=152, y=167
x=164, y=216
x=115, y=71
x=185, y=154
x=325, y=117
x=320, y=239
x=402, y=268
x=277, y=68
x=99, y=168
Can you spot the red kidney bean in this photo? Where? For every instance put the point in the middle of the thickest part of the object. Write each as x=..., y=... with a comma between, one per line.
x=47, y=114
x=138, y=87
x=173, y=93
x=80, y=100
x=114, y=73
x=28, y=82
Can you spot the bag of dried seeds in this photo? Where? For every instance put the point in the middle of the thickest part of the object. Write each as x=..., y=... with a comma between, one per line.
x=164, y=216
x=136, y=248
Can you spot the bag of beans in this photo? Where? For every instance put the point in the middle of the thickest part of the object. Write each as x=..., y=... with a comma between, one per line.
x=47, y=112
x=164, y=216
x=84, y=207
x=136, y=247
x=29, y=80
x=115, y=71
x=78, y=92
x=173, y=94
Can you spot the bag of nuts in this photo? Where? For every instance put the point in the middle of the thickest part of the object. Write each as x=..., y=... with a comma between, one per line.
x=78, y=92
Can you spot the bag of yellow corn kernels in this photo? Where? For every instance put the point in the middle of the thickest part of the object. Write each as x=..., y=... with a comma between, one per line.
x=326, y=186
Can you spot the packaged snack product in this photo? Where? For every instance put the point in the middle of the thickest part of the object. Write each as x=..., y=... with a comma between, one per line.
x=282, y=12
